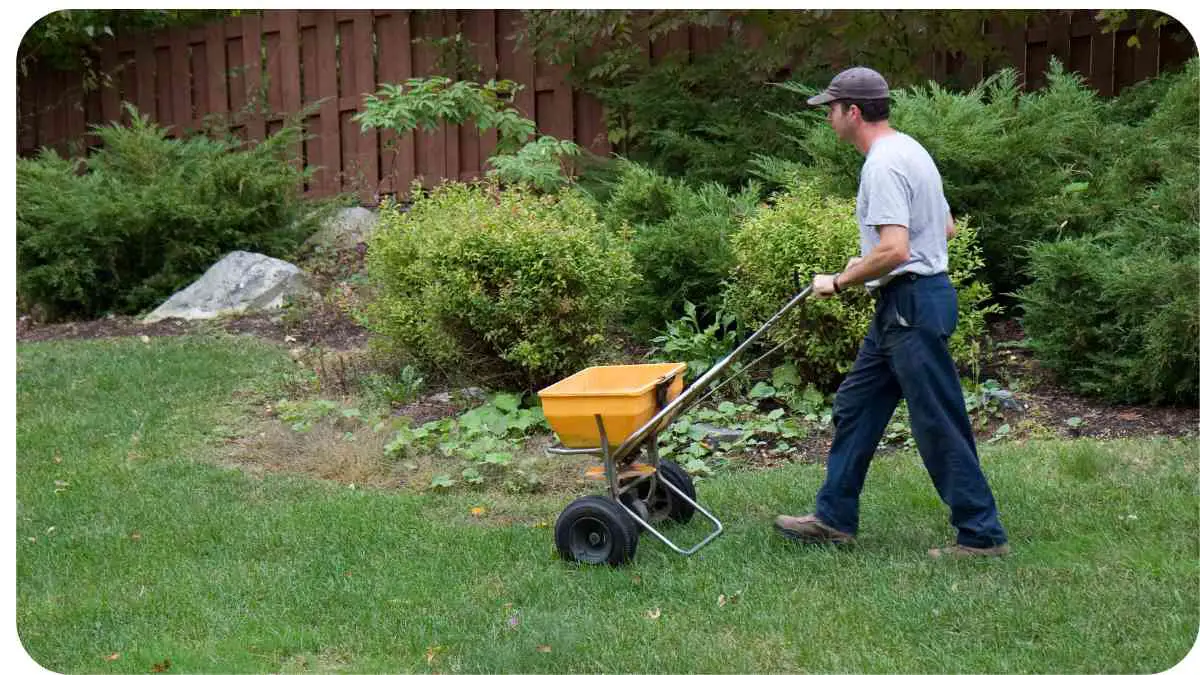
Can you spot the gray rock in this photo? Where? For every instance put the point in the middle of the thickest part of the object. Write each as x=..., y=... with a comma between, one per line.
x=469, y=394
x=346, y=228
x=239, y=282
x=718, y=436
x=1004, y=397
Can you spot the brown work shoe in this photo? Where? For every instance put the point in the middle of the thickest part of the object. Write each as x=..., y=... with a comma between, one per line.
x=960, y=551
x=810, y=529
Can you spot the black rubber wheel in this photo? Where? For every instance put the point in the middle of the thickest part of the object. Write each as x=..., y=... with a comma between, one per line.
x=595, y=530
x=635, y=502
x=665, y=504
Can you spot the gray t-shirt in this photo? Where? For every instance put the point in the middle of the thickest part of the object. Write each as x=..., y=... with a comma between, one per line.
x=901, y=185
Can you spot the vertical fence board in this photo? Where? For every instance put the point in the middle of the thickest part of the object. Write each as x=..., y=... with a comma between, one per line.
x=395, y=67
x=145, y=78
x=218, y=84
x=28, y=119
x=273, y=73
x=470, y=161
x=364, y=69
x=430, y=145
x=1145, y=60
x=76, y=115
x=256, y=127
x=309, y=92
x=290, y=94
x=110, y=83
x=329, y=175
x=1102, y=65
x=179, y=85
x=351, y=172
x=1123, y=60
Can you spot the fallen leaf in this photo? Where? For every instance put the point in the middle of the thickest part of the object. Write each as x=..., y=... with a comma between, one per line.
x=33, y=540
x=58, y=459
x=654, y=613
x=721, y=600
x=51, y=530
x=113, y=656
x=545, y=649
x=161, y=667
x=132, y=457
x=288, y=338
x=135, y=535
x=146, y=340
x=478, y=511
x=432, y=653
x=346, y=573
x=61, y=484
x=1129, y=416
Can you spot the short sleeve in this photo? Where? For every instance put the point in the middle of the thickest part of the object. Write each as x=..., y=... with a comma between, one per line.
x=889, y=196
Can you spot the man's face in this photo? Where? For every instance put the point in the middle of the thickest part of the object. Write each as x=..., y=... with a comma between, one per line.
x=844, y=120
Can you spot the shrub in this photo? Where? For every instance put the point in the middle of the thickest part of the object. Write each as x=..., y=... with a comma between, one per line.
x=146, y=214
x=477, y=279
x=806, y=232
x=681, y=244
x=700, y=121
x=1114, y=312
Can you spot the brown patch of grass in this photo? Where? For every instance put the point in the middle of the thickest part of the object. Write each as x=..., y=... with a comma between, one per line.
x=326, y=452
x=323, y=452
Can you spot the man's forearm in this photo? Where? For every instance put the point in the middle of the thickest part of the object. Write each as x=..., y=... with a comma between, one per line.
x=877, y=263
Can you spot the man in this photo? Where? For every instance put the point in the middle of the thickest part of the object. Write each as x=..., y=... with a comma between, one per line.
x=904, y=222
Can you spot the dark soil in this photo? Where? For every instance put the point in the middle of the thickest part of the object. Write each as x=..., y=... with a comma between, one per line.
x=1041, y=402
x=324, y=326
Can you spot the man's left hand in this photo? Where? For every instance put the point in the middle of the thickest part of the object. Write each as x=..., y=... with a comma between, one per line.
x=822, y=285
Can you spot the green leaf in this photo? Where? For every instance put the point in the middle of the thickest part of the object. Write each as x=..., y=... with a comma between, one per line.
x=441, y=481
x=775, y=414
x=762, y=390
x=785, y=375
x=472, y=475
x=499, y=458
x=507, y=402
x=727, y=408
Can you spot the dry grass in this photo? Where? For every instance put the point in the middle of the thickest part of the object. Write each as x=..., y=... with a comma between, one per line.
x=327, y=452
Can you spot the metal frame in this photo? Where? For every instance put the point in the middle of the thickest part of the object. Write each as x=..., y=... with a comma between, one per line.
x=647, y=436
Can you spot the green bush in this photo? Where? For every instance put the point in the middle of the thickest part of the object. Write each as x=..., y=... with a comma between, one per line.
x=681, y=247
x=480, y=280
x=804, y=232
x=1115, y=313
x=702, y=121
x=145, y=215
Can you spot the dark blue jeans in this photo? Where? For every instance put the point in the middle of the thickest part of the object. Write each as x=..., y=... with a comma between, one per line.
x=906, y=354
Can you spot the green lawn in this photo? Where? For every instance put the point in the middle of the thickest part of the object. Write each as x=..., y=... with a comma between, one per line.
x=129, y=544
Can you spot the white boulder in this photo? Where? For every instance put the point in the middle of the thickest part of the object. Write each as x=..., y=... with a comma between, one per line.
x=239, y=282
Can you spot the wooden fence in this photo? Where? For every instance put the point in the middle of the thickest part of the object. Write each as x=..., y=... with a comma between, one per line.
x=259, y=69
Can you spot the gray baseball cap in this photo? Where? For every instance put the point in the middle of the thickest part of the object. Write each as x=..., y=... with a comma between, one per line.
x=855, y=83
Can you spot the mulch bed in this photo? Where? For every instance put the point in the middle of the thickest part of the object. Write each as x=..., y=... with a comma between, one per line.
x=1041, y=399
